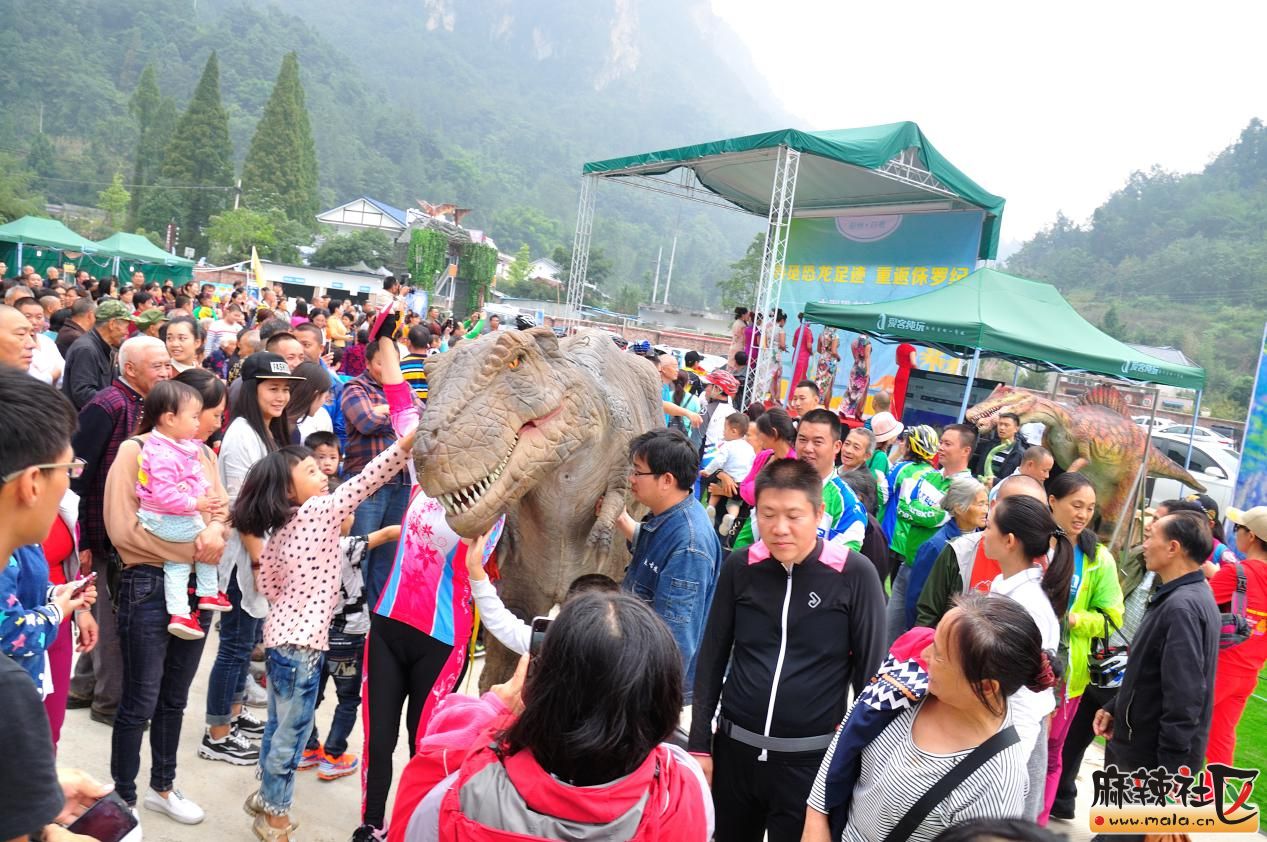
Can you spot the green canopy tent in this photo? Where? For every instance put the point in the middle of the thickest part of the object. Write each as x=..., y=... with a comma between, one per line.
x=132, y=252
x=43, y=243
x=993, y=314
x=882, y=166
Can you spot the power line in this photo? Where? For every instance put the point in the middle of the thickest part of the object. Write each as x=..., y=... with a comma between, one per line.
x=135, y=186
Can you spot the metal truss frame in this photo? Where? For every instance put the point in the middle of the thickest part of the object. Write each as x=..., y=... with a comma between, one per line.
x=770, y=286
x=907, y=168
x=580, y=251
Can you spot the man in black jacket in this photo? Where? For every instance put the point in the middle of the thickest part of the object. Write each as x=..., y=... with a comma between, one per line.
x=91, y=361
x=795, y=623
x=1161, y=716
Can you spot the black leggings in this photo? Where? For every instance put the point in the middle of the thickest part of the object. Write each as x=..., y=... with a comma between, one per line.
x=402, y=663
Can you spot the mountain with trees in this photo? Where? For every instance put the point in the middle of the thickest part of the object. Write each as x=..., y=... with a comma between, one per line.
x=491, y=104
x=1176, y=259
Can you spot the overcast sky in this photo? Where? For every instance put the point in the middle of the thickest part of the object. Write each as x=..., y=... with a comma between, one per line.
x=1050, y=105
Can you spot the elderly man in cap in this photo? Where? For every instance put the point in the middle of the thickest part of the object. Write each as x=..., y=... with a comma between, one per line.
x=90, y=362
x=149, y=321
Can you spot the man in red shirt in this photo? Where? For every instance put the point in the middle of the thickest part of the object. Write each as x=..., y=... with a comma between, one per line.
x=1237, y=672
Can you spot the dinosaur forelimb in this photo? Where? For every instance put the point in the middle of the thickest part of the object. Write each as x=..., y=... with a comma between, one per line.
x=609, y=509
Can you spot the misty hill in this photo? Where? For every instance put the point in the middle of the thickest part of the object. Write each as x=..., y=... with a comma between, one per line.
x=1174, y=259
x=492, y=104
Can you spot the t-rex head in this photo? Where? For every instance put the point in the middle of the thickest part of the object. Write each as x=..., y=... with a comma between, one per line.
x=1002, y=399
x=503, y=411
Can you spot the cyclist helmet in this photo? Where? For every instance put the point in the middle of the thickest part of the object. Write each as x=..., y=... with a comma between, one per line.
x=524, y=322
x=641, y=347
x=923, y=441
x=724, y=380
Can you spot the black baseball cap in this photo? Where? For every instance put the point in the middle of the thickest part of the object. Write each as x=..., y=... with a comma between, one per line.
x=264, y=365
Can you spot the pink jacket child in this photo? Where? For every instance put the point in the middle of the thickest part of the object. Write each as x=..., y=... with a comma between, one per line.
x=170, y=486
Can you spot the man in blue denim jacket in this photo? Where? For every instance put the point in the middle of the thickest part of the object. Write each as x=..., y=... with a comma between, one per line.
x=676, y=552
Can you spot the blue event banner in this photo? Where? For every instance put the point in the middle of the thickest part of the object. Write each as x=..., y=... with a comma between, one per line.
x=861, y=260
x=1251, y=478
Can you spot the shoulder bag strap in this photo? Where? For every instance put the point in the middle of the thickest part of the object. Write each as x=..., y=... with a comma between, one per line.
x=1240, y=598
x=938, y=792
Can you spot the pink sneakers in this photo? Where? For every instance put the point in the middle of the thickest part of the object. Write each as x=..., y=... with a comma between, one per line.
x=219, y=602
x=185, y=627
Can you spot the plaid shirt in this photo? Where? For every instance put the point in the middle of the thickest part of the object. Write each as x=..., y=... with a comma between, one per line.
x=105, y=422
x=368, y=434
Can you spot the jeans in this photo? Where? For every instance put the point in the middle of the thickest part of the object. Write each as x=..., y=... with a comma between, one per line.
x=294, y=673
x=385, y=507
x=176, y=584
x=895, y=611
x=157, y=670
x=227, y=684
x=343, y=664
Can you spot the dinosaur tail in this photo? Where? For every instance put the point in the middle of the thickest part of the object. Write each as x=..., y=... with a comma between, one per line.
x=1161, y=466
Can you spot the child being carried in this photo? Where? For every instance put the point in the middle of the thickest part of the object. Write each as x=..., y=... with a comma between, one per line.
x=172, y=491
x=734, y=456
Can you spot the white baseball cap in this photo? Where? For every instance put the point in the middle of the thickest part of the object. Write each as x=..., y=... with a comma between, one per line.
x=1255, y=520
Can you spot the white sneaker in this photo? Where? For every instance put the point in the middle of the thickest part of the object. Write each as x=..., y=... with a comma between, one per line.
x=176, y=806
x=727, y=521
x=256, y=696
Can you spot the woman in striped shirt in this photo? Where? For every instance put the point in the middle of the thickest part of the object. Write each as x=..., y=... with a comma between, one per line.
x=983, y=651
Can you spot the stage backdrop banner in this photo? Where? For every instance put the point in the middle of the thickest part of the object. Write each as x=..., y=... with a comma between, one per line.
x=1251, y=479
x=865, y=259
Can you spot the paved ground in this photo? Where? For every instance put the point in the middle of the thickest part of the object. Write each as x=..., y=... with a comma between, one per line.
x=326, y=811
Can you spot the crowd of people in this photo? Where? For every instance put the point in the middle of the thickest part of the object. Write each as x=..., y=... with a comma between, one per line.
x=175, y=457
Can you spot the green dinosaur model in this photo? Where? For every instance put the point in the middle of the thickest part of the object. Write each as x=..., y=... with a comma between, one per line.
x=1096, y=438
x=521, y=422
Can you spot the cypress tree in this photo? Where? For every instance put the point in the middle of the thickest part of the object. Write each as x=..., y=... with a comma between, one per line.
x=280, y=170
x=155, y=117
x=199, y=154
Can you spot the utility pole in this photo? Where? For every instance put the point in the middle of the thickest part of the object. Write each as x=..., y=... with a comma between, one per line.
x=669, y=278
x=237, y=194
x=655, y=288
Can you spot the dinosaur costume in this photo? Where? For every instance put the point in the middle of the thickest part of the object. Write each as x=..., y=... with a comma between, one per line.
x=1096, y=436
x=525, y=423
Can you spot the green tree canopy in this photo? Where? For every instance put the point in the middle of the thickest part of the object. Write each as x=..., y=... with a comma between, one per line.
x=155, y=116
x=281, y=165
x=740, y=289
x=233, y=232
x=114, y=200
x=18, y=198
x=368, y=245
x=197, y=172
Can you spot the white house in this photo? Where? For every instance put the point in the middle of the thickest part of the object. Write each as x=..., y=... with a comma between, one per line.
x=363, y=213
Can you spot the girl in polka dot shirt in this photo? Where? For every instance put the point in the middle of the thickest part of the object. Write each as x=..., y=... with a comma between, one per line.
x=286, y=497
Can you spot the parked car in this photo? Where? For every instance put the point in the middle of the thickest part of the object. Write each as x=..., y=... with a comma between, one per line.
x=1212, y=464
x=1201, y=434
x=1157, y=423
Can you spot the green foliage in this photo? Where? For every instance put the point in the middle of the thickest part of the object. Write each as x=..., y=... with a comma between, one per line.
x=368, y=245
x=198, y=156
x=18, y=198
x=518, y=270
x=40, y=157
x=740, y=288
x=1178, y=260
x=281, y=166
x=428, y=256
x=477, y=265
x=114, y=200
x=233, y=232
x=155, y=116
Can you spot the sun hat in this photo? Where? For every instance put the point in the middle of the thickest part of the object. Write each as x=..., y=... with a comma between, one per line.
x=1255, y=520
x=885, y=427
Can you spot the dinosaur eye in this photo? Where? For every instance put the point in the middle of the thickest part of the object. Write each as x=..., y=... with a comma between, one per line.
x=514, y=361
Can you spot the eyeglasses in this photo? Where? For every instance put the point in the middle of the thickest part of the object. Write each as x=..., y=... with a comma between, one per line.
x=645, y=473
x=1239, y=527
x=74, y=469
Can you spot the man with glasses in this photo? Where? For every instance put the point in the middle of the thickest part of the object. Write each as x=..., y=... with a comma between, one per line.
x=105, y=423
x=676, y=552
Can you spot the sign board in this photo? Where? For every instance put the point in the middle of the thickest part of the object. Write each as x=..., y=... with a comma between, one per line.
x=863, y=260
x=1251, y=478
x=934, y=397
x=189, y=253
